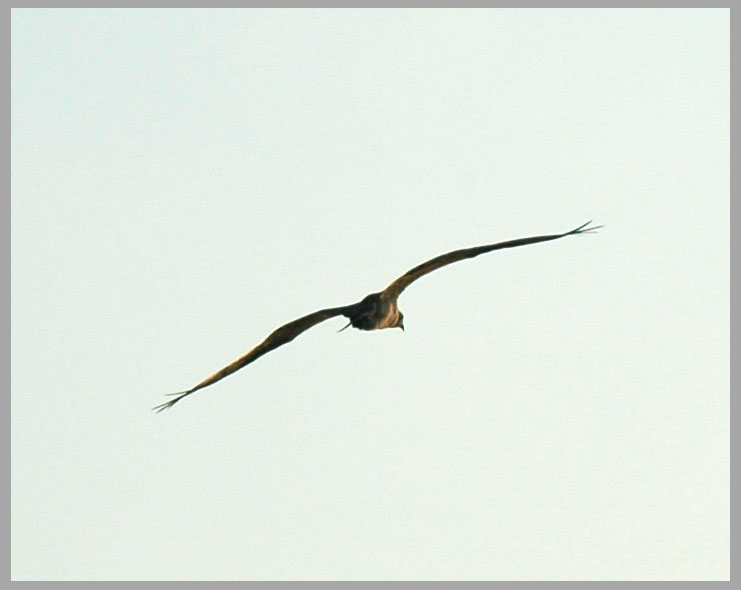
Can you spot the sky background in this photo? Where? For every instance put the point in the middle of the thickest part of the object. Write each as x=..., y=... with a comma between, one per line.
x=183, y=182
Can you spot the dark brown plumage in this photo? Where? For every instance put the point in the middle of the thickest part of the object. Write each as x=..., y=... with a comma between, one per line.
x=374, y=312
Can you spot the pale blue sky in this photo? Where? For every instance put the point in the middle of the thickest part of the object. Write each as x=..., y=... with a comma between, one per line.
x=183, y=182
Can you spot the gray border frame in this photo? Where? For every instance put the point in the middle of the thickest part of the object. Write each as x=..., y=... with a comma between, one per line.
x=733, y=27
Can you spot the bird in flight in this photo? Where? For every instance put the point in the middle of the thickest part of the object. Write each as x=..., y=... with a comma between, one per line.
x=374, y=312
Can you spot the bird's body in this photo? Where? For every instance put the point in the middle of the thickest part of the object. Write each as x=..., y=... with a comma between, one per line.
x=376, y=311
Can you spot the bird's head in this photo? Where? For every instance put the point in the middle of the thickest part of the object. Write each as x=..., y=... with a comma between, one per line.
x=400, y=321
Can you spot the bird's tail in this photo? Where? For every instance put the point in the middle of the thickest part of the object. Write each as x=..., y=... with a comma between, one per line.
x=345, y=328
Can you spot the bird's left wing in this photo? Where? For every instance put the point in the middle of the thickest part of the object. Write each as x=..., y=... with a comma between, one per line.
x=395, y=289
x=279, y=337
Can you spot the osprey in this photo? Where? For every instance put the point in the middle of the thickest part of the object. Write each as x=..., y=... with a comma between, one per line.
x=374, y=312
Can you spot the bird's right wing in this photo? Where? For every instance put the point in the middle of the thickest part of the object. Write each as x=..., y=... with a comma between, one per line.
x=395, y=289
x=279, y=337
